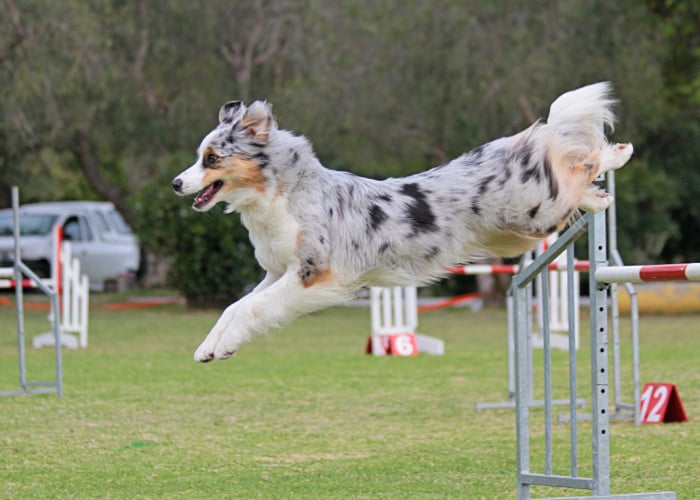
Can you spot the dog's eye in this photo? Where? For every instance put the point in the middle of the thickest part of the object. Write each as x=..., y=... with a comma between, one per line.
x=210, y=159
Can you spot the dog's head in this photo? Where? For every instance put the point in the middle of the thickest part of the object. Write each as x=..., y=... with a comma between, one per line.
x=231, y=157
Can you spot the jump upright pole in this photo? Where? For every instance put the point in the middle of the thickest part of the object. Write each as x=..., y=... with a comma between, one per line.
x=20, y=270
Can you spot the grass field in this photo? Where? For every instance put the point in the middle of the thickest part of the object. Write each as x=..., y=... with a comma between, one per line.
x=303, y=413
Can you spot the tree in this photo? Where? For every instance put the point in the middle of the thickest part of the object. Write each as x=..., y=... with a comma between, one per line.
x=675, y=144
x=109, y=99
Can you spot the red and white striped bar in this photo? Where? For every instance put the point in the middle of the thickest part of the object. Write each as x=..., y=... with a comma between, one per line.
x=645, y=274
x=26, y=283
x=581, y=265
x=7, y=279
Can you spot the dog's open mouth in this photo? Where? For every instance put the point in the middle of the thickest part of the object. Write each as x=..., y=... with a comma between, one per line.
x=207, y=194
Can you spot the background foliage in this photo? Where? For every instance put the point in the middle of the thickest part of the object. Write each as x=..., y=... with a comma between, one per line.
x=108, y=99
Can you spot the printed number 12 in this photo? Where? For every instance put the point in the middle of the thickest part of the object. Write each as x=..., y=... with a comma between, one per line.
x=659, y=396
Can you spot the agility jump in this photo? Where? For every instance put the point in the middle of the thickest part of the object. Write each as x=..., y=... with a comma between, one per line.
x=601, y=276
x=20, y=271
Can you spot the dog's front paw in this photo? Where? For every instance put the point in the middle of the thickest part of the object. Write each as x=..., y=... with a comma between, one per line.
x=595, y=200
x=226, y=348
x=205, y=351
x=216, y=347
x=203, y=354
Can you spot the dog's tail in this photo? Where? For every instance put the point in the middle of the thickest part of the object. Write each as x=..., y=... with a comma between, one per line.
x=577, y=119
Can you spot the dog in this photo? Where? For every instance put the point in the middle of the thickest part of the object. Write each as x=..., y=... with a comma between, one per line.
x=321, y=235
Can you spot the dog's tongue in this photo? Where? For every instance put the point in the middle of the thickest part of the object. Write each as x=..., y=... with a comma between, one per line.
x=205, y=195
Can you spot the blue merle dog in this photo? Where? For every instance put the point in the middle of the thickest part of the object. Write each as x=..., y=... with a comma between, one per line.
x=321, y=234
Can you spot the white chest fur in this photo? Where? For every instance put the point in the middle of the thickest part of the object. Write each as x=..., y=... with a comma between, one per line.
x=273, y=232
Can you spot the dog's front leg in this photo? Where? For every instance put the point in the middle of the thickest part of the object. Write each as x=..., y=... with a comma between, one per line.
x=205, y=352
x=275, y=306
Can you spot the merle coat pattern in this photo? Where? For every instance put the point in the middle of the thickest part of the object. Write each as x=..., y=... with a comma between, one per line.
x=322, y=234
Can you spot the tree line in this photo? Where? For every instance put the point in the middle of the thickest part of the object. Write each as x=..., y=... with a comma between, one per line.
x=106, y=99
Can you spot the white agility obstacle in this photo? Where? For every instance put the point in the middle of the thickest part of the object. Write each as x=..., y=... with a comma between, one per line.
x=394, y=317
x=74, y=294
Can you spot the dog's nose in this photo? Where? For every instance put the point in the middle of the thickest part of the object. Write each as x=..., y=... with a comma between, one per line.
x=177, y=184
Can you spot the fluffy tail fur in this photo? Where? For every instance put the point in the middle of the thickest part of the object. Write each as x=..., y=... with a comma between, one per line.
x=577, y=121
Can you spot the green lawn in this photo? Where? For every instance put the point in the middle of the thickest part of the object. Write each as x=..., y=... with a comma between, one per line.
x=303, y=413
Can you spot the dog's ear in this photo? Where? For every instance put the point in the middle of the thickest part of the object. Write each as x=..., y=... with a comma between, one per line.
x=257, y=121
x=230, y=111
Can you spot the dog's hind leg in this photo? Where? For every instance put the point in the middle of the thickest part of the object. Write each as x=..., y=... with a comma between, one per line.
x=205, y=352
x=595, y=199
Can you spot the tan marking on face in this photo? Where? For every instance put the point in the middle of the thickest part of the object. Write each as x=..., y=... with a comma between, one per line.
x=210, y=177
x=236, y=173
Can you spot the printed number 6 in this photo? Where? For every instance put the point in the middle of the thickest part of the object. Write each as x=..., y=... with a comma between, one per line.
x=403, y=345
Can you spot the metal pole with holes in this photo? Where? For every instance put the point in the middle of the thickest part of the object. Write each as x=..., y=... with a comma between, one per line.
x=20, y=270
